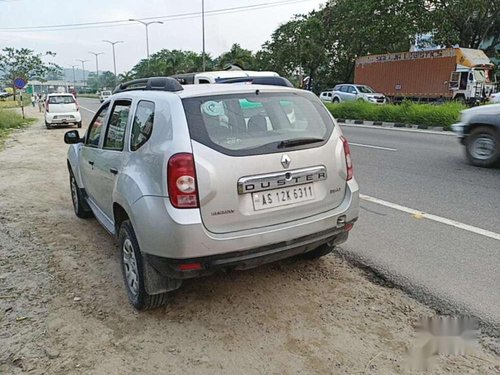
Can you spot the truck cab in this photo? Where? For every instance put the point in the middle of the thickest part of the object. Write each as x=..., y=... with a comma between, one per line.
x=472, y=85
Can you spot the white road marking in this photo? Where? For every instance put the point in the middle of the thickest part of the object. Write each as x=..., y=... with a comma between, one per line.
x=372, y=146
x=439, y=219
x=378, y=127
x=91, y=111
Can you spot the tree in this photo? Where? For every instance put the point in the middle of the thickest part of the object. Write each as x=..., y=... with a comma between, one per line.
x=169, y=62
x=26, y=64
x=236, y=56
x=106, y=80
x=467, y=23
x=357, y=28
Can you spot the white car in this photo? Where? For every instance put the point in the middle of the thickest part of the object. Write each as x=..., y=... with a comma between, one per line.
x=326, y=96
x=62, y=109
x=495, y=98
x=105, y=94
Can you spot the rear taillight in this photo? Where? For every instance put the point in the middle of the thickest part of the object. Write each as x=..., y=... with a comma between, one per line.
x=181, y=181
x=77, y=106
x=348, y=160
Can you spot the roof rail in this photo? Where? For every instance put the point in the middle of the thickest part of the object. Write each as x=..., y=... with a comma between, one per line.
x=260, y=80
x=152, y=83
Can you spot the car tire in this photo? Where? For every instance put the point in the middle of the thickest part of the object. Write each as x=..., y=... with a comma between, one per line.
x=79, y=124
x=82, y=210
x=47, y=125
x=482, y=147
x=319, y=252
x=336, y=100
x=133, y=271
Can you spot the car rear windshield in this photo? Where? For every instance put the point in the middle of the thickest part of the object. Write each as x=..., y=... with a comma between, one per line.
x=256, y=123
x=108, y=93
x=61, y=99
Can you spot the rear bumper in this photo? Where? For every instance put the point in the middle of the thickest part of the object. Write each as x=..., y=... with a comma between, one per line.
x=242, y=260
x=180, y=234
x=63, y=118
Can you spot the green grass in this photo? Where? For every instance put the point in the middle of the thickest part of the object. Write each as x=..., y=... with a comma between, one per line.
x=10, y=120
x=424, y=115
x=9, y=103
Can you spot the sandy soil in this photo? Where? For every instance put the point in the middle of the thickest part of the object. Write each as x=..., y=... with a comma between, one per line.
x=63, y=309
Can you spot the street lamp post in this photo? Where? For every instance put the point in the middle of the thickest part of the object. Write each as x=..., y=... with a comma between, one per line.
x=74, y=77
x=96, y=54
x=83, y=68
x=147, y=36
x=203, y=31
x=114, y=58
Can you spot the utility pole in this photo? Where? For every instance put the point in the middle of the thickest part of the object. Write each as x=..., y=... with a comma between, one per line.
x=74, y=77
x=114, y=58
x=83, y=67
x=96, y=54
x=203, y=31
x=146, y=24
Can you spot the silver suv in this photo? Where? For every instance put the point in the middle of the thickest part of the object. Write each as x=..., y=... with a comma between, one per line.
x=207, y=177
x=347, y=93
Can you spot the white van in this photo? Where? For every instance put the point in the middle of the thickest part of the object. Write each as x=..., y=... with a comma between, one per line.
x=216, y=76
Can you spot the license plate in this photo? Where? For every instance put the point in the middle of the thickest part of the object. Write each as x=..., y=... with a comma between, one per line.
x=282, y=197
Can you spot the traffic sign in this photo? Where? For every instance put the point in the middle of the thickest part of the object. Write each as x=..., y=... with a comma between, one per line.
x=20, y=83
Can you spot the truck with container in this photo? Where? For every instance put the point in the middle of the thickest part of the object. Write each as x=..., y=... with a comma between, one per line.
x=461, y=74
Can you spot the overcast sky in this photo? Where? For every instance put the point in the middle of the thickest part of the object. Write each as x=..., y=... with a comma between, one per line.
x=249, y=28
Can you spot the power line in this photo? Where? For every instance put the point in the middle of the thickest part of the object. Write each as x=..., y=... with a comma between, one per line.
x=173, y=17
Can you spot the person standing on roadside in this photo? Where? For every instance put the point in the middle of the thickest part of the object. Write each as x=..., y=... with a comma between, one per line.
x=33, y=100
x=40, y=102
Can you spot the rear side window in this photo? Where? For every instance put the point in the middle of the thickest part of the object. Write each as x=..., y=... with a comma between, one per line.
x=115, y=133
x=251, y=124
x=62, y=99
x=143, y=124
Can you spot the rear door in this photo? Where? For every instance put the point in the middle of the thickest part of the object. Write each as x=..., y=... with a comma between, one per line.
x=264, y=159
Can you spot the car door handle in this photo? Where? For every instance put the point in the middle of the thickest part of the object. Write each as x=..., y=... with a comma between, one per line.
x=91, y=162
x=113, y=170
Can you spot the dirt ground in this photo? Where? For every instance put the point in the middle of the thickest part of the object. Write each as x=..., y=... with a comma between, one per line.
x=63, y=309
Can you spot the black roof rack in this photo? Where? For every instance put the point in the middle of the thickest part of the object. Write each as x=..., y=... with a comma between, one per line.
x=152, y=83
x=260, y=80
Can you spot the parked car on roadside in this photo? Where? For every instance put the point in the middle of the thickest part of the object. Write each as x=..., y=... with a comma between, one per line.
x=494, y=98
x=104, y=95
x=479, y=131
x=202, y=178
x=349, y=92
x=62, y=109
x=326, y=96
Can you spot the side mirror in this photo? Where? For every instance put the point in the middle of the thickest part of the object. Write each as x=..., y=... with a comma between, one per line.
x=72, y=137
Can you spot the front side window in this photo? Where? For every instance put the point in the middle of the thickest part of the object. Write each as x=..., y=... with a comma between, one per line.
x=251, y=124
x=143, y=124
x=115, y=133
x=365, y=89
x=95, y=128
x=352, y=90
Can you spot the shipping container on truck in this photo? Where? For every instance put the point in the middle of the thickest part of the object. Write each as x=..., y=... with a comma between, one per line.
x=454, y=73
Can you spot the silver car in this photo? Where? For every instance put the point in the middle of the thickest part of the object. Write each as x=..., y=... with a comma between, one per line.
x=351, y=92
x=208, y=177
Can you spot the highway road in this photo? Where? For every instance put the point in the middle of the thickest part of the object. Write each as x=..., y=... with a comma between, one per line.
x=429, y=222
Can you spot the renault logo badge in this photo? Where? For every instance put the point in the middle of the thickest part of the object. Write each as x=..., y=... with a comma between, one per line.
x=285, y=161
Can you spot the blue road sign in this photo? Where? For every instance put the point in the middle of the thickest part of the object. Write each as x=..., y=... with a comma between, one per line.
x=19, y=83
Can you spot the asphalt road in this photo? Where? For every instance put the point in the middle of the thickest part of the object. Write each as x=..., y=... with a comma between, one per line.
x=448, y=256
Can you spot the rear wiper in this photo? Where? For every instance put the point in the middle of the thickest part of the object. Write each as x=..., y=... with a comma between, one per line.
x=298, y=142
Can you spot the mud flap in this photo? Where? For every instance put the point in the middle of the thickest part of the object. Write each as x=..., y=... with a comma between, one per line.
x=155, y=283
